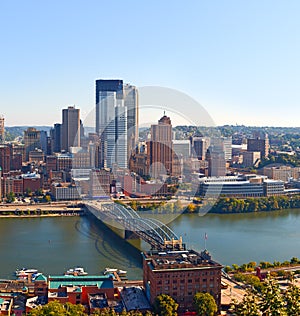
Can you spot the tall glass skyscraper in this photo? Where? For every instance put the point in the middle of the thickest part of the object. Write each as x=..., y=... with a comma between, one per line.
x=116, y=121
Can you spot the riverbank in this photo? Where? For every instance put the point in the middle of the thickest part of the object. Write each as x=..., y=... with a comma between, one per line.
x=41, y=210
x=222, y=205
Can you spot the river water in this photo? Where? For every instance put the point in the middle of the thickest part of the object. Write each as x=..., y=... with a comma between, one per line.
x=54, y=244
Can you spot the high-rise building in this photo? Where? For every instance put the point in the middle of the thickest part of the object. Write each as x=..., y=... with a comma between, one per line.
x=216, y=158
x=32, y=141
x=70, y=128
x=2, y=130
x=259, y=144
x=131, y=103
x=5, y=157
x=199, y=146
x=116, y=121
x=55, y=134
x=227, y=143
x=160, y=148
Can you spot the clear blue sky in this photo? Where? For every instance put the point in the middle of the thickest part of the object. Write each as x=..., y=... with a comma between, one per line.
x=239, y=59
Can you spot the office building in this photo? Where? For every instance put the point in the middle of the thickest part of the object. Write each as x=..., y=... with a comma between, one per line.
x=55, y=134
x=131, y=103
x=259, y=144
x=227, y=144
x=70, y=128
x=160, y=148
x=2, y=130
x=216, y=158
x=251, y=158
x=5, y=158
x=181, y=274
x=199, y=146
x=116, y=121
x=240, y=186
x=32, y=141
x=182, y=148
x=283, y=173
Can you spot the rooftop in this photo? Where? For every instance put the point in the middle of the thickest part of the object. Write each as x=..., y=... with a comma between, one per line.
x=184, y=259
x=74, y=282
x=134, y=298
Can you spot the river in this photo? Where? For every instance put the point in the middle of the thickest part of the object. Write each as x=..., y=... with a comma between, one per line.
x=54, y=244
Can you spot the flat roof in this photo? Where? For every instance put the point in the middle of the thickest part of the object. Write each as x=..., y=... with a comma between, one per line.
x=181, y=259
x=81, y=280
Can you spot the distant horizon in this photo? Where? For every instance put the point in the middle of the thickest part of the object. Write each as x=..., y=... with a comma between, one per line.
x=237, y=125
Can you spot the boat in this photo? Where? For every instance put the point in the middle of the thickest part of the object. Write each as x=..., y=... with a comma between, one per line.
x=24, y=271
x=122, y=272
x=110, y=270
x=76, y=271
x=114, y=270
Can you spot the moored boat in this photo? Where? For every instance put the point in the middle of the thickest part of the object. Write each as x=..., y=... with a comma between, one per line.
x=24, y=271
x=110, y=270
x=76, y=271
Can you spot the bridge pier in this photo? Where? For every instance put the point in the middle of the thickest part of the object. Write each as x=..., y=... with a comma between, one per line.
x=129, y=234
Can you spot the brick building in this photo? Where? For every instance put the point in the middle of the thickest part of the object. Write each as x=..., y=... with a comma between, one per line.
x=181, y=274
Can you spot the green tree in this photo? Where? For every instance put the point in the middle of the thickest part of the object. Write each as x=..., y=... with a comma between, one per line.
x=272, y=302
x=292, y=299
x=247, y=307
x=58, y=309
x=10, y=197
x=165, y=305
x=205, y=304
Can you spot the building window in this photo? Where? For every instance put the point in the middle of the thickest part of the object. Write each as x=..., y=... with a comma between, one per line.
x=190, y=281
x=174, y=281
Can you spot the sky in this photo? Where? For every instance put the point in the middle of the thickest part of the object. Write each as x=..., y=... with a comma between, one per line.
x=238, y=59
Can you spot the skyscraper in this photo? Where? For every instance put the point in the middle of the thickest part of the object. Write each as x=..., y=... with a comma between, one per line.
x=161, y=152
x=70, y=128
x=131, y=103
x=32, y=140
x=259, y=144
x=55, y=134
x=2, y=130
x=116, y=121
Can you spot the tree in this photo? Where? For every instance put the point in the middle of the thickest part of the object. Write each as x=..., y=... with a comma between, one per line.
x=205, y=304
x=58, y=309
x=10, y=197
x=247, y=307
x=272, y=303
x=292, y=298
x=165, y=305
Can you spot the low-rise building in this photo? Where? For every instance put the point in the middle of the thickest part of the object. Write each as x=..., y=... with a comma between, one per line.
x=240, y=186
x=65, y=191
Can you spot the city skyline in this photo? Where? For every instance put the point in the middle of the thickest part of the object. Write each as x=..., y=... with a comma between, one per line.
x=234, y=58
